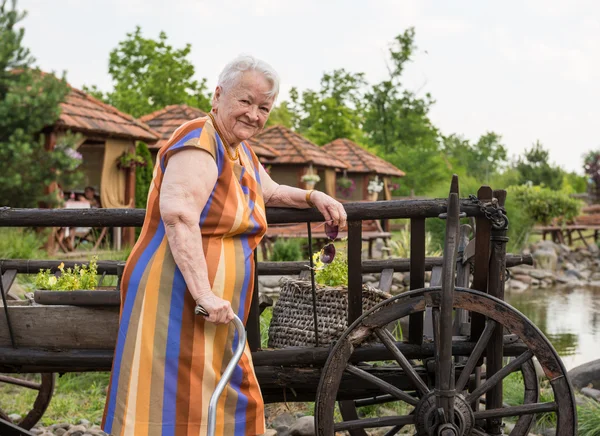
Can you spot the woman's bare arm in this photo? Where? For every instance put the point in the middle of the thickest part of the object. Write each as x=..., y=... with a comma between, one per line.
x=276, y=195
x=187, y=184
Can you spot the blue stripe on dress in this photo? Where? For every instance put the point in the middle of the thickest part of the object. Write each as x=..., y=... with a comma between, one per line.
x=172, y=354
x=181, y=143
x=238, y=375
x=132, y=290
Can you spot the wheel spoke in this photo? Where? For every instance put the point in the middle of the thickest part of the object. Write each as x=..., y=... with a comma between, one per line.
x=394, y=431
x=19, y=382
x=383, y=385
x=475, y=355
x=525, y=409
x=499, y=376
x=435, y=320
x=385, y=421
x=387, y=339
x=379, y=399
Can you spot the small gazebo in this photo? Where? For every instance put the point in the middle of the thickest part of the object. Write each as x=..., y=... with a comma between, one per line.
x=363, y=167
x=298, y=158
x=165, y=121
x=106, y=133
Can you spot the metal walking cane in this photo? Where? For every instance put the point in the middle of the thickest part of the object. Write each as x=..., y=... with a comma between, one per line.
x=237, y=355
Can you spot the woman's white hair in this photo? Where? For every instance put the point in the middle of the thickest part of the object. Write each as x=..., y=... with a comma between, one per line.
x=234, y=70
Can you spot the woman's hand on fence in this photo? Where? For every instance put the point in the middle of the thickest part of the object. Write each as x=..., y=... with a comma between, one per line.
x=219, y=310
x=332, y=210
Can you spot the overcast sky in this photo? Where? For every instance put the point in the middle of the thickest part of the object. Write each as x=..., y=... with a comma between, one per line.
x=528, y=70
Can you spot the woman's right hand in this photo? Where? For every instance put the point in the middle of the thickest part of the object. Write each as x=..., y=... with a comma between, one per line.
x=219, y=310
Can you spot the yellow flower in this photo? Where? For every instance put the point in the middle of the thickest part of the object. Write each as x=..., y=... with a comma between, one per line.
x=61, y=266
x=81, y=272
x=52, y=280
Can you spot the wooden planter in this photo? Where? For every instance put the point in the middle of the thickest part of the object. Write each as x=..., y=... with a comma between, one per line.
x=78, y=298
x=63, y=320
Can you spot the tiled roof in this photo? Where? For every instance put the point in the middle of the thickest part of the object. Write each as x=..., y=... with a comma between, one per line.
x=81, y=112
x=294, y=148
x=360, y=160
x=165, y=121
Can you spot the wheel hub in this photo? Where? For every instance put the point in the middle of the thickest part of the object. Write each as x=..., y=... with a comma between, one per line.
x=430, y=420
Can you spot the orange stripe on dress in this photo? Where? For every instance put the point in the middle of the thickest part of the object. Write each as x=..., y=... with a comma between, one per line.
x=187, y=347
x=147, y=349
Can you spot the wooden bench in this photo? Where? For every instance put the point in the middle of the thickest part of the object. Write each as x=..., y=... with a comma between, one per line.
x=564, y=234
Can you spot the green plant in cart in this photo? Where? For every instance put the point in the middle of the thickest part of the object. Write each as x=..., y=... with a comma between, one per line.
x=70, y=279
x=331, y=274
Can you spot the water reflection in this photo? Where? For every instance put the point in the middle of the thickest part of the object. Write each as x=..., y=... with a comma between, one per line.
x=570, y=319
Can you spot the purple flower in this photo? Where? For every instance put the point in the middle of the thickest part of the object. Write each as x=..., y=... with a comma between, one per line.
x=73, y=154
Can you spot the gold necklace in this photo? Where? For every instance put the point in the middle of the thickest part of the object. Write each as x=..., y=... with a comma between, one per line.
x=233, y=157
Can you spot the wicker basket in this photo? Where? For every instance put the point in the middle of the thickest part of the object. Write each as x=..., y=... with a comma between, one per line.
x=292, y=324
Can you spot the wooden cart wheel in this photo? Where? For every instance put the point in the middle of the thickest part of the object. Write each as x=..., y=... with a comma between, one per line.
x=45, y=388
x=349, y=409
x=422, y=411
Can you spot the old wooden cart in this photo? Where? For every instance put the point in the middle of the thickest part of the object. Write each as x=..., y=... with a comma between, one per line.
x=463, y=340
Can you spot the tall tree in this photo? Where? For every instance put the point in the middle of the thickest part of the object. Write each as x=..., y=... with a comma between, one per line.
x=397, y=122
x=150, y=74
x=335, y=111
x=29, y=102
x=480, y=160
x=284, y=115
x=534, y=167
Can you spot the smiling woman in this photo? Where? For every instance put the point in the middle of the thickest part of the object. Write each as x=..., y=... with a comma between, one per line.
x=205, y=215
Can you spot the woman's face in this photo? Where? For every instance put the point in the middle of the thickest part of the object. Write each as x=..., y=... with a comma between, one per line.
x=243, y=110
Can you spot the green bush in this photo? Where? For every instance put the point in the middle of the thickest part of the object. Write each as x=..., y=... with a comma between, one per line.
x=284, y=251
x=17, y=243
x=401, y=244
x=143, y=176
x=530, y=205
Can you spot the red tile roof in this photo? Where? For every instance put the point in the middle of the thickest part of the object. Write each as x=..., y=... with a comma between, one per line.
x=165, y=121
x=81, y=112
x=360, y=160
x=294, y=148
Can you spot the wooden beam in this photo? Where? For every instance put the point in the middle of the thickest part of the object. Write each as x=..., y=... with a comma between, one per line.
x=10, y=217
x=54, y=327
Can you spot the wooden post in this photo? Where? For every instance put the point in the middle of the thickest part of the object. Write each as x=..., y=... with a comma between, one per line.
x=417, y=275
x=482, y=254
x=494, y=355
x=354, y=270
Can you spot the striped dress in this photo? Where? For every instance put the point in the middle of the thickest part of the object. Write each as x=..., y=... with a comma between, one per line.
x=168, y=360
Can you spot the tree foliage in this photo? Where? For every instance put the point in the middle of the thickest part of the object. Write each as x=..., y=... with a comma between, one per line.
x=143, y=176
x=480, y=160
x=535, y=169
x=29, y=103
x=397, y=123
x=334, y=111
x=150, y=74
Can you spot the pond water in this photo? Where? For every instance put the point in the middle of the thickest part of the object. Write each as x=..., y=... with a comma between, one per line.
x=570, y=318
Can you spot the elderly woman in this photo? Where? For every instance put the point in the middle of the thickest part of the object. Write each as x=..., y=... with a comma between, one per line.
x=205, y=216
